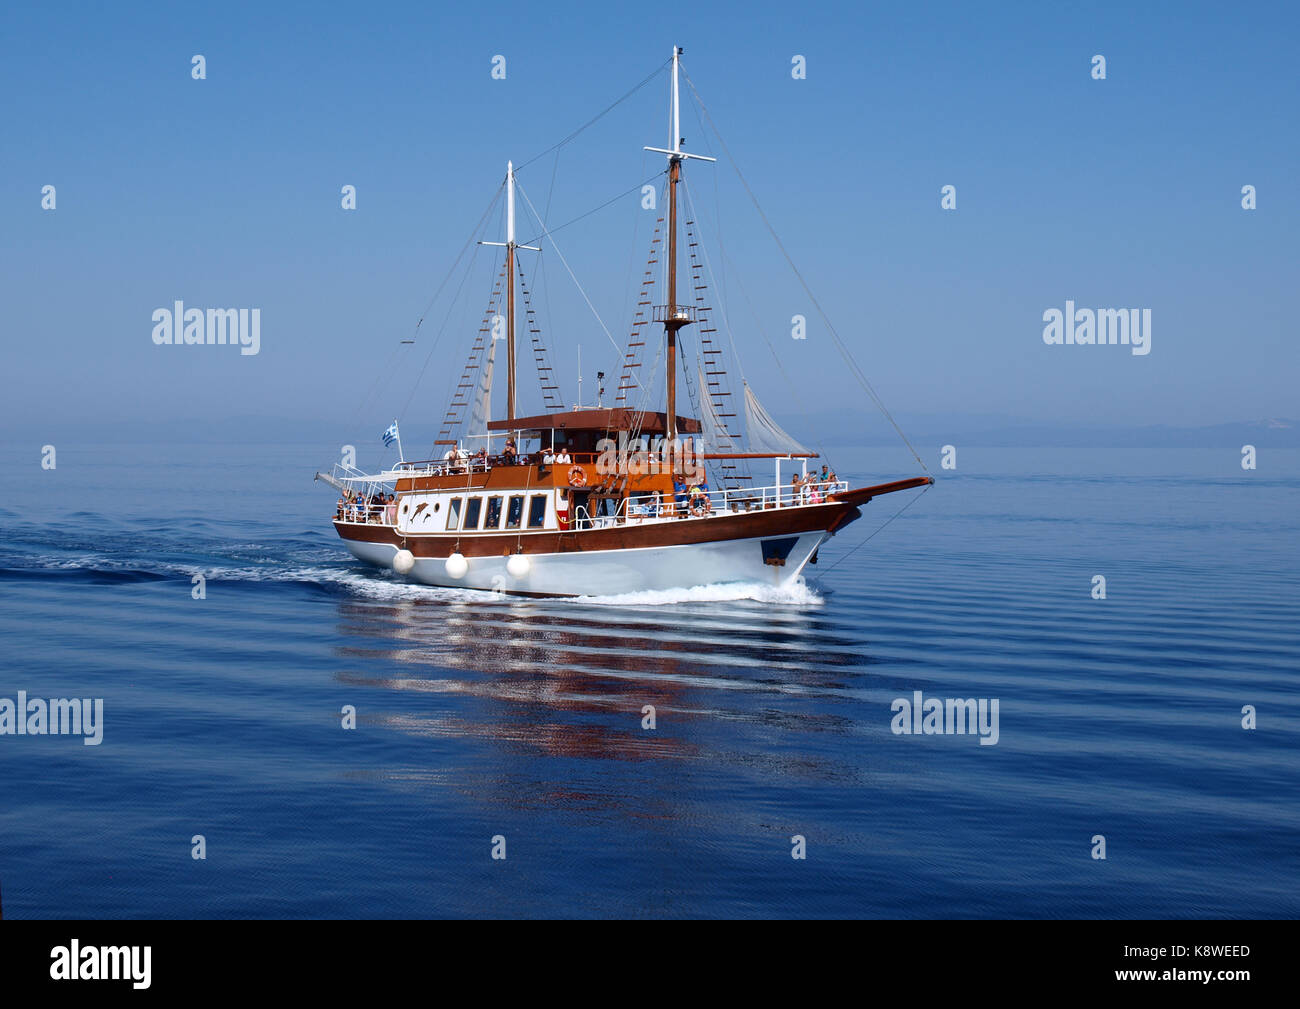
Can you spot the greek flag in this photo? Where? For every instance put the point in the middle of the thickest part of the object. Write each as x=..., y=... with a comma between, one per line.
x=390, y=435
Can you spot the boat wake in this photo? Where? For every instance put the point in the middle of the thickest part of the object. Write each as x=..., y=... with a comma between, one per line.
x=369, y=583
x=797, y=594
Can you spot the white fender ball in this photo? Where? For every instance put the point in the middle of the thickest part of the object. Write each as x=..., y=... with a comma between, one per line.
x=403, y=561
x=518, y=565
x=457, y=565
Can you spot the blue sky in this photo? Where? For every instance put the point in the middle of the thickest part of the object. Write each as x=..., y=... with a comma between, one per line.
x=1122, y=193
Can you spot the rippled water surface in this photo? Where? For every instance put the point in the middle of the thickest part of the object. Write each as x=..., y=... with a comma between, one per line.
x=479, y=717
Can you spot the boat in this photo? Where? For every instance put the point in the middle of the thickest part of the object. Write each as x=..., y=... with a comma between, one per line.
x=598, y=500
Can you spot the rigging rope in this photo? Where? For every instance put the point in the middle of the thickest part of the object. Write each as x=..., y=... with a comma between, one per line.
x=546, y=233
x=599, y=115
x=375, y=385
x=880, y=528
x=572, y=276
x=854, y=368
x=739, y=275
x=437, y=336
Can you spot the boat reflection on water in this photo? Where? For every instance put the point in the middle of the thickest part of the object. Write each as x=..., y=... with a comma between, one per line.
x=570, y=679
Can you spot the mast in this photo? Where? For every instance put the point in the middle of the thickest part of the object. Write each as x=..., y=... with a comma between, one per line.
x=671, y=323
x=672, y=315
x=510, y=295
x=510, y=245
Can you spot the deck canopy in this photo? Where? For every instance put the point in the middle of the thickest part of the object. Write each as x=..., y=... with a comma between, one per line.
x=581, y=430
x=600, y=419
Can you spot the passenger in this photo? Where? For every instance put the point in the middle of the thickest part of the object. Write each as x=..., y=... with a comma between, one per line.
x=562, y=457
x=548, y=457
x=341, y=506
x=390, y=510
x=795, y=487
x=509, y=453
x=679, y=497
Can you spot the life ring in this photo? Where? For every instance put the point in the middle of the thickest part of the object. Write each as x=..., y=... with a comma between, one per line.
x=699, y=505
x=577, y=476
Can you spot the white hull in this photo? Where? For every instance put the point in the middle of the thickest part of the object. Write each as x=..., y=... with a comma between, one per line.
x=611, y=572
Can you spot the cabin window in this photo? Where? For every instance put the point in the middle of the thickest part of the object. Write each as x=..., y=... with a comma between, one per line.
x=453, y=513
x=473, y=507
x=514, y=512
x=493, y=520
x=537, y=511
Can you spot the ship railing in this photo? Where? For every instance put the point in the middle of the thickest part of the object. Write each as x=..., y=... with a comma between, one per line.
x=734, y=501
x=582, y=519
x=641, y=508
x=443, y=467
x=368, y=515
x=776, y=495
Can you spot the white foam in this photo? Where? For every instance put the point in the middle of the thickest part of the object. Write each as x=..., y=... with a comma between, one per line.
x=372, y=584
x=799, y=593
x=376, y=584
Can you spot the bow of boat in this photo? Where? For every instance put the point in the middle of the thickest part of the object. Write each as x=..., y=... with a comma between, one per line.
x=861, y=495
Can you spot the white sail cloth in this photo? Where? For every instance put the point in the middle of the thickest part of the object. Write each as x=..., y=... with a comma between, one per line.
x=713, y=432
x=764, y=434
x=482, y=409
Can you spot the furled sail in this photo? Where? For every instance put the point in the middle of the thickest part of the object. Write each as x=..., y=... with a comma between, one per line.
x=482, y=411
x=765, y=435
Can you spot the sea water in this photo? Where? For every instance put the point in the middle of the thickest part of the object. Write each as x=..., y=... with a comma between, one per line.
x=719, y=751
